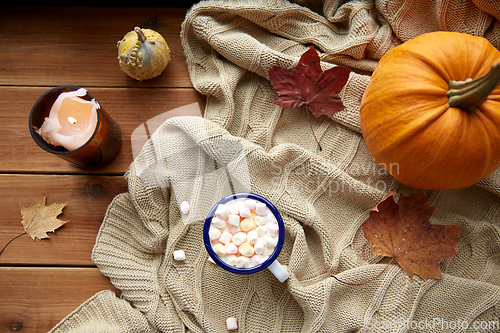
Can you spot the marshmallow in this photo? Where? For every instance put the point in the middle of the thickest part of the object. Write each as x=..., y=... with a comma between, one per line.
x=268, y=251
x=259, y=246
x=245, y=212
x=242, y=262
x=229, y=259
x=247, y=224
x=261, y=209
x=218, y=222
x=246, y=250
x=273, y=230
x=269, y=241
x=257, y=259
x=214, y=233
x=261, y=231
x=230, y=248
x=233, y=219
x=219, y=249
x=231, y=324
x=239, y=238
x=184, y=207
x=226, y=228
x=260, y=220
x=234, y=229
x=252, y=237
x=221, y=211
x=226, y=237
x=179, y=255
x=271, y=218
x=233, y=209
x=250, y=204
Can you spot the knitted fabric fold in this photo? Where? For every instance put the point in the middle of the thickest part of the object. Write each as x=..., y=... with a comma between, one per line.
x=246, y=142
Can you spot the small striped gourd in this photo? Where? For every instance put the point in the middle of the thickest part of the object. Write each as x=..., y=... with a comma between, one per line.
x=143, y=54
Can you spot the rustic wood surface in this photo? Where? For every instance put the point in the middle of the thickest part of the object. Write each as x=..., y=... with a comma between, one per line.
x=39, y=296
x=41, y=282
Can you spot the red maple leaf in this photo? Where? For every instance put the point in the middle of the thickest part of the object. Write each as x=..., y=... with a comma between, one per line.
x=403, y=231
x=308, y=84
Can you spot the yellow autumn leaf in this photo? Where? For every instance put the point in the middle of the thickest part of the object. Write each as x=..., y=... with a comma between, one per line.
x=39, y=219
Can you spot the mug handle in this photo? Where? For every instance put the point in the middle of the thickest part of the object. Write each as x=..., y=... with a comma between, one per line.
x=279, y=271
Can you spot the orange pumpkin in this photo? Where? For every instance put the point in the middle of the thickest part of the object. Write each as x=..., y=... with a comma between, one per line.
x=430, y=114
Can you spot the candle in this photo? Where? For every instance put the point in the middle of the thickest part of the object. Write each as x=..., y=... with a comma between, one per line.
x=68, y=122
x=71, y=121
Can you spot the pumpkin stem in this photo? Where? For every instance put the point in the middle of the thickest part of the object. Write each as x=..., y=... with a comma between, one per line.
x=470, y=93
x=140, y=34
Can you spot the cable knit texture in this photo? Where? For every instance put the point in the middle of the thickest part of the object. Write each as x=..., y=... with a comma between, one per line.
x=246, y=143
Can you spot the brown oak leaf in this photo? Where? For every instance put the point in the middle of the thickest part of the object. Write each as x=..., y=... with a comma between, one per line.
x=403, y=231
x=39, y=219
x=308, y=84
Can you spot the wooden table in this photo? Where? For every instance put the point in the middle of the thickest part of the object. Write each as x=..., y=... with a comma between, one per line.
x=41, y=282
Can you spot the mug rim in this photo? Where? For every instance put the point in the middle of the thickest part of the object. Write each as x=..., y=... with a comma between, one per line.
x=277, y=249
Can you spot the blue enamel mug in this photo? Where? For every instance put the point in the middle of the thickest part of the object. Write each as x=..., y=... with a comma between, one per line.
x=271, y=263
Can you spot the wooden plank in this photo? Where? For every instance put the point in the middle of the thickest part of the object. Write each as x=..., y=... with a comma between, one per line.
x=52, y=46
x=87, y=197
x=130, y=108
x=43, y=47
x=35, y=299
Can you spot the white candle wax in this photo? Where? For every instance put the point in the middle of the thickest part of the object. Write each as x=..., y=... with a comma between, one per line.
x=71, y=121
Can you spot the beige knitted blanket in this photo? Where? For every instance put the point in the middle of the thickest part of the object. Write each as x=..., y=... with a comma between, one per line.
x=246, y=143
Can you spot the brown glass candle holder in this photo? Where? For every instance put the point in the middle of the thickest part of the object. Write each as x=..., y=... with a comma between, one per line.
x=102, y=147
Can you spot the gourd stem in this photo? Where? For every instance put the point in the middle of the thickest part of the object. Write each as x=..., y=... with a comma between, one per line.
x=140, y=34
x=470, y=93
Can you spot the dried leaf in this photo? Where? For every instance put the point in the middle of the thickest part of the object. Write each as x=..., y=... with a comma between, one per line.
x=389, y=194
x=403, y=230
x=39, y=219
x=308, y=84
